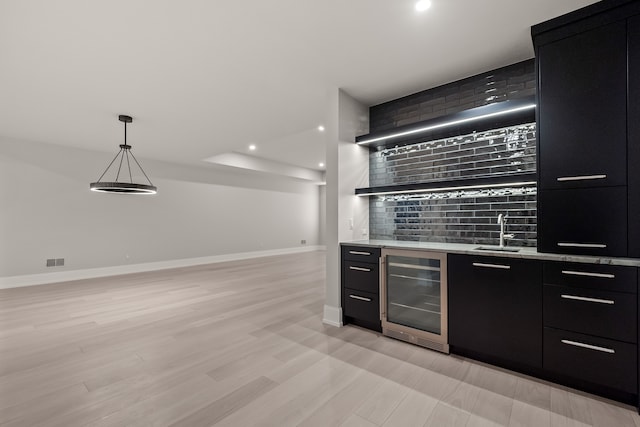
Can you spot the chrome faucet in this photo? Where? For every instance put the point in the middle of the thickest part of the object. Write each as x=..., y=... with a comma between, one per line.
x=502, y=220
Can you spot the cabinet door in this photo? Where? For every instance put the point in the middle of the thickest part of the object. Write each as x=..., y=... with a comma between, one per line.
x=587, y=221
x=582, y=109
x=495, y=308
x=634, y=137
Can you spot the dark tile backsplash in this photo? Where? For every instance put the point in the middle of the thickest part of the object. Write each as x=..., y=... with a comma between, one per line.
x=465, y=216
x=510, y=82
x=492, y=153
x=462, y=216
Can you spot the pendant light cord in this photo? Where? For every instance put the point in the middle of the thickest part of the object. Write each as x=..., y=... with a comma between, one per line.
x=143, y=172
x=120, y=165
x=105, y=171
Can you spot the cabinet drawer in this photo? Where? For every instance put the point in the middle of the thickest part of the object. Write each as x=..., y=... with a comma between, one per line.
x=361, y=305
x=596, y=360
x=587, y=221
x=604, y=314
x=591, y=276
x=361, y=276
x=361, y=254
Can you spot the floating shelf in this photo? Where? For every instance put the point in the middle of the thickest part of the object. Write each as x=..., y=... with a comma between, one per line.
x=451, y=185
x=492, y=116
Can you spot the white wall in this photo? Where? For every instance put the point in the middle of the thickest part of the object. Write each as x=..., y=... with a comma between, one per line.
x=47, y=211
x=347, y=169
x=322, y=226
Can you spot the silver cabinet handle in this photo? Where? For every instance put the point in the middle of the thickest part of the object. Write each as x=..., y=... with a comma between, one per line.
x=580, y=178
x=500, y=266
x=359, y=253
x=360, y=298
x=581, y=245
x=589, y=274
x=589, y=346
x=359, y=268
x=587, y=299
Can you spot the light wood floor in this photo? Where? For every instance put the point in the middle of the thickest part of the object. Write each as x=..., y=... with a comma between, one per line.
x=242, y=344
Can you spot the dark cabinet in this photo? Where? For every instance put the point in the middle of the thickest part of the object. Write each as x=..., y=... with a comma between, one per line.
x=495, y=309
x=607, y=363
x=634, y=136
x=362, y=306
x=591, y=325
x=599, y=277
x=361, y=286
x=582, y=105
x=588, y=122
x=599, y=313
x=589, y=221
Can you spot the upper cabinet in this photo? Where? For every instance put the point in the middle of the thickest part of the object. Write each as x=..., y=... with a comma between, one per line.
x=582, y=94
x=633, y=168
x=588, y=122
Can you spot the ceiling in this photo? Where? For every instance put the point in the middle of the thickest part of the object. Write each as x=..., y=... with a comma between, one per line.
x=207, y=77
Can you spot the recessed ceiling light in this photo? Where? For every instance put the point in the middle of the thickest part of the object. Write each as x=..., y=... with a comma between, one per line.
x=423, y=5
x=321, y=164
x=252, y=147
x=321, y=128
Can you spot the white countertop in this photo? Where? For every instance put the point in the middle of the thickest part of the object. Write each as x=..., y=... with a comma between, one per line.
x=472, y=249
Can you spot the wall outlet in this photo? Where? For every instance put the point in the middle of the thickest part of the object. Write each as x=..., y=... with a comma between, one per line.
x=303, y=242
x=51, y=262
x=59, y=262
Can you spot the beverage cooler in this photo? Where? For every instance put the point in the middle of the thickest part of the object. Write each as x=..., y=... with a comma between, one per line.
x=413, y=298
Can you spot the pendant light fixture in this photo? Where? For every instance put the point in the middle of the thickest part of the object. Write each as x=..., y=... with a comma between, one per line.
x=121, y=186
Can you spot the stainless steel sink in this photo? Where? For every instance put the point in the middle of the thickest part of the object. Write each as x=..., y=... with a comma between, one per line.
x=497, y=249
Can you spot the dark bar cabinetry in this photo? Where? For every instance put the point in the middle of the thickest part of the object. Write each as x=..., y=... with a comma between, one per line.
x=633, y=123
x=588, y=118
x=495, y=310
x=591, y=327
x=361, y=286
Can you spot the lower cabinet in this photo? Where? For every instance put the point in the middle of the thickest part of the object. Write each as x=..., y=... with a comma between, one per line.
x=495, y=309
x=361, y=286
x=594, y=361
x=571, y=323
x=591, y=327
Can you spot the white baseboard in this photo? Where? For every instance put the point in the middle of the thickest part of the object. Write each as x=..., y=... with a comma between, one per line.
x=332, y=316
x=90, y=273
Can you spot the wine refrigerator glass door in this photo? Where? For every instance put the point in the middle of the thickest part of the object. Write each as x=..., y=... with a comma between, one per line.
x=414, y=297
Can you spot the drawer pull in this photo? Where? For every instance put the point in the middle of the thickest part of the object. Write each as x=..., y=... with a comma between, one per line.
x=360, y=253
x=360, y=298
x=589, y=346
x=589, y=274
x=587, y=299
x=499, y=266
x=581, y=245
x=359, y=268
x=580, y=177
